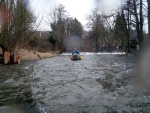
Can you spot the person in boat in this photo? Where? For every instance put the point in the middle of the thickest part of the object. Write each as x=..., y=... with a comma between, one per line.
x=75, y=51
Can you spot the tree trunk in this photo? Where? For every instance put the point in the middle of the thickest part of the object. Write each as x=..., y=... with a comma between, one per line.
x=127, y=28
x=139, y=22
x=128, y=31
x=148, y=1
x=3, y=49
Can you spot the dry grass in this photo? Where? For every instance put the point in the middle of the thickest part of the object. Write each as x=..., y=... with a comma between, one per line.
x=27, y=55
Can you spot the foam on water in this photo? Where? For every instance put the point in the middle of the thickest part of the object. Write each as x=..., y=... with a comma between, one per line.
x=99, y=53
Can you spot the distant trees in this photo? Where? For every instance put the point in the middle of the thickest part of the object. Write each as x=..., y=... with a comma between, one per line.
x=133, y=18
x=52, y=41
x=73, y=27
x=16, y=23
x=96, y=26
x=63, y=26
x=100, y=30
x=117, y=26
x=58, y=17
x=105, y=30
x=133, y=12
x=120, y=31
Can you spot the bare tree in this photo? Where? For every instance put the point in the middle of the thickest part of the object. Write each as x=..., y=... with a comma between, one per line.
x=63, y=26
x=100, y=29
x=96, y=25
x=58, y=16
x=133, y=17
x=126, y=16
x=16, y=24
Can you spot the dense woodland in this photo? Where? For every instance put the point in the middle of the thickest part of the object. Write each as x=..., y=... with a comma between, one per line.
x=120, y=30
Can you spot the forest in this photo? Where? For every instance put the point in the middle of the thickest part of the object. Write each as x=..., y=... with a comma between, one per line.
x=125, y=29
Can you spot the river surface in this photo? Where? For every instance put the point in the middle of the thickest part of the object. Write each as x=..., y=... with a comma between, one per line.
x=99, y=83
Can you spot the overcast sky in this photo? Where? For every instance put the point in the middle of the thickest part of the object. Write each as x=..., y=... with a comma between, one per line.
x=76, y=8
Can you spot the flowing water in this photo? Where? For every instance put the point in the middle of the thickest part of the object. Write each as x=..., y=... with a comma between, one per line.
x=99, y=83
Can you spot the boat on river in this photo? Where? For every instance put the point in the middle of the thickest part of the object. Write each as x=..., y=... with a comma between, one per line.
x=76, y=57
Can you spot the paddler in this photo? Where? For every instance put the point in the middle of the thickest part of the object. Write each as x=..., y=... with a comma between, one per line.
x=75, y=51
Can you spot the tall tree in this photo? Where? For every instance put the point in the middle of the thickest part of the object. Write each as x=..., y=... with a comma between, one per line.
x=133, y=17
x=120, y=31
x=138, y=20
x=58, y=16
x=100, y=29
x=74, y=27
x=148, y=2
x=96, y=28
x=64, y=26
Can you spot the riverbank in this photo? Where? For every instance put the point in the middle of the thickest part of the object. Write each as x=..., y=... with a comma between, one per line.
x=30, y=55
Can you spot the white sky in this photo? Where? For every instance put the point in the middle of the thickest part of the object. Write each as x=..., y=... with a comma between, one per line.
x=76, y=8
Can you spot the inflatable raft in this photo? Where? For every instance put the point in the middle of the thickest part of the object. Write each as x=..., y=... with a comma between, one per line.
x=75, y=57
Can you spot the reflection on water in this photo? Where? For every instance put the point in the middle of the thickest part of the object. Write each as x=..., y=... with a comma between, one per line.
x=97, y=84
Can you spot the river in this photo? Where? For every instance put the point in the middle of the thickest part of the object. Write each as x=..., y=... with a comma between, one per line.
x=99, y=83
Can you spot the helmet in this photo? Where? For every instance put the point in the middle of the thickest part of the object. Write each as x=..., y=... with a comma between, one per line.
x=75, y=48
